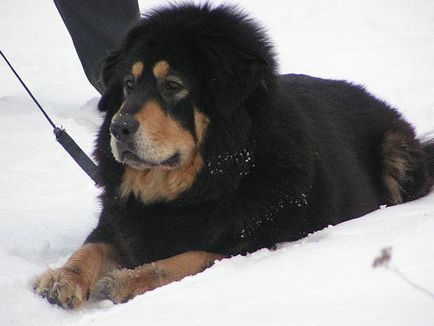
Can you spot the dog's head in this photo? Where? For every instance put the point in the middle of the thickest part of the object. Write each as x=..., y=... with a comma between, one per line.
x=157, y=123
x=180, y=71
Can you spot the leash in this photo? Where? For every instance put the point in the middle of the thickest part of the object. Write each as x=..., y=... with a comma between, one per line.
x=62, y=136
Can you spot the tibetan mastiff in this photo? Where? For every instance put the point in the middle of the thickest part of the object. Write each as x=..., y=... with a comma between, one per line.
x=205, y=152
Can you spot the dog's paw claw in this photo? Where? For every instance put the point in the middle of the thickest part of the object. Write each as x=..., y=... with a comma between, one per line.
x=113, y=288
x=60, y=288
x=71, y=302
x=103, y=289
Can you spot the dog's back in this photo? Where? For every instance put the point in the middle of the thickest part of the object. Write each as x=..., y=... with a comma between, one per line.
x=372, y=152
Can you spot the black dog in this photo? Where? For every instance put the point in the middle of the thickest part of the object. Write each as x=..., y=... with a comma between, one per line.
x=206, y=153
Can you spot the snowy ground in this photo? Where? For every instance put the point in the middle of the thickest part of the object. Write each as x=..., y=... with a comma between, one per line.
x=48, y=206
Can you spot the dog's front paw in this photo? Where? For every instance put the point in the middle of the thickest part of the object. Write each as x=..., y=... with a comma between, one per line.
x=122, y=285
x=116, y=287
x=63, y=287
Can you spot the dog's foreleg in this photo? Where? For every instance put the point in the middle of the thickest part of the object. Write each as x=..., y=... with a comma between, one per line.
x=71, y=284
x=123, y=284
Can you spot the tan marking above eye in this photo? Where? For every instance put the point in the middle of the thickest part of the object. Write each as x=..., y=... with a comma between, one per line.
x=161, y=69
x=137, y=69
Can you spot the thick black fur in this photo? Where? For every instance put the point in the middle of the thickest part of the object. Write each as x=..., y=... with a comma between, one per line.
x=301, y=152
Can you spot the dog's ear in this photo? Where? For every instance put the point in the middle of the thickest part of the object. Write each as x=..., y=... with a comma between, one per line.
x=109, y=67
x=249, y=72
x=112, y=87
x=237, y=76
x=111, y=98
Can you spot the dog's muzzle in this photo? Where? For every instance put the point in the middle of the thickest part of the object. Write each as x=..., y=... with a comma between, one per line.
x=128, y=149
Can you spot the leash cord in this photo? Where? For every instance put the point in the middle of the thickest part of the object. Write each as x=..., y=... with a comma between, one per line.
x=62, y=136
x=28, y=91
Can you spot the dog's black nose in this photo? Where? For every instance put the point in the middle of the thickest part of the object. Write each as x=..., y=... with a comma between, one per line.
x=123, y=128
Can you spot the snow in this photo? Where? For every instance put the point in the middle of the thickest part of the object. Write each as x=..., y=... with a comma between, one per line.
x=48, y=205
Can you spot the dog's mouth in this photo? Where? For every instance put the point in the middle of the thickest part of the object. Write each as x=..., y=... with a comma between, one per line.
x=135, y=161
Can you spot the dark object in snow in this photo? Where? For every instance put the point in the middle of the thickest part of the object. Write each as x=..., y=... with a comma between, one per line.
x=384, y=258
x=206, y=153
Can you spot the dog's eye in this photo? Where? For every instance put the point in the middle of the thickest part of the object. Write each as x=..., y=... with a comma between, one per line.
x=172, y=85
x=129, y=82
x=172, y=89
